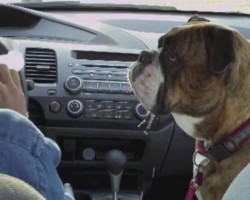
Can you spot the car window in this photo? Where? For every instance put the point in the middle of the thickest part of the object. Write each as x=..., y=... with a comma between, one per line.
x=242, y=6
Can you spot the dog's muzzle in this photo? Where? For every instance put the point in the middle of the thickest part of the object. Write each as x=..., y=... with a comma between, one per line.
x=146, y=77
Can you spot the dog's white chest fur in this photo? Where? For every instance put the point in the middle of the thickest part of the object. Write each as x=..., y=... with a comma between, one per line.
x=187, y=123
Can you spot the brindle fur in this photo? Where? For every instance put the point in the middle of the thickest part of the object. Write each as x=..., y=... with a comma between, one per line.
x=210, y=83
x=223, y=98
x=193, y=89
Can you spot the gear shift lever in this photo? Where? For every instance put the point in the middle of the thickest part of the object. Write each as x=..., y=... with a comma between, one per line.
x=115, y=161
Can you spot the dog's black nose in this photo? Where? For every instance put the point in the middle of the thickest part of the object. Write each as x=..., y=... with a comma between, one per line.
x=146, y=57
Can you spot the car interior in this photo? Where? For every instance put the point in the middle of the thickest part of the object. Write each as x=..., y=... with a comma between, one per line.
x=76, y=61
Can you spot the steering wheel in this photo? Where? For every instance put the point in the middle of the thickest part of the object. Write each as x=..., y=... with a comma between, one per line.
x=3, y=51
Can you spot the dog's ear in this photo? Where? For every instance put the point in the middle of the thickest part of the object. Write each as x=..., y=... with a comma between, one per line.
x=197, y=18
x=161, y=41
x=220, y=45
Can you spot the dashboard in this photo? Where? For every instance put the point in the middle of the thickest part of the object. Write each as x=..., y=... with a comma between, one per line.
x=76, y=70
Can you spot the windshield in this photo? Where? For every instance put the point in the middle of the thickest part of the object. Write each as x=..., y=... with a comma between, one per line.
x=242, y=6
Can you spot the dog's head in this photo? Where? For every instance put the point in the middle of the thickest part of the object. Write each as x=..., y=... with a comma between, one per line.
x=188, y=74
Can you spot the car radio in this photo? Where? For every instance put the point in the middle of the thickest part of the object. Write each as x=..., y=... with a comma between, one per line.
x=93, y=90
x=107, y=79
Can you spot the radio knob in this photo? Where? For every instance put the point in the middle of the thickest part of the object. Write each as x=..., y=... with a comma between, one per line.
x=73, y=84
x=74, y=108
x=141, y=111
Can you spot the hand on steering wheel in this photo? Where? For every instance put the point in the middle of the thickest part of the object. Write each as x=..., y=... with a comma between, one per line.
x=11, y=93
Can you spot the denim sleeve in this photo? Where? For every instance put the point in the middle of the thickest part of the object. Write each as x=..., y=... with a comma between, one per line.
x=26, y=154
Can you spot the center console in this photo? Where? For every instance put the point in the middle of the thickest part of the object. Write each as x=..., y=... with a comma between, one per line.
x=82, y=99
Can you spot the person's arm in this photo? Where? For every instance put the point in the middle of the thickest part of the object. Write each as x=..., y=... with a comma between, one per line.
x=24, y=151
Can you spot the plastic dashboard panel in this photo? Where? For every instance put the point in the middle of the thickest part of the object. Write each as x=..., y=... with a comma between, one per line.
x=24, y=23
x=112, y=32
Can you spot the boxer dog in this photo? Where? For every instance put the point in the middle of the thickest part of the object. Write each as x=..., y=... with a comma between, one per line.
x=201, y=74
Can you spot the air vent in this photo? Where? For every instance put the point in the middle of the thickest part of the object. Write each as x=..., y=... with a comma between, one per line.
x=41, y=65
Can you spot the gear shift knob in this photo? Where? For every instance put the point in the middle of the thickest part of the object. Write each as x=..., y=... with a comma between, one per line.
x=115, y=161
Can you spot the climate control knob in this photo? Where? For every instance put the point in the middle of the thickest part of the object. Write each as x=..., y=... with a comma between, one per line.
x=73, y=84
x=141, y=111
x=74, y=108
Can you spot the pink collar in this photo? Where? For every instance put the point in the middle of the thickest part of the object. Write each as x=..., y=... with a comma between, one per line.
x=230, y=145
x=218, y=152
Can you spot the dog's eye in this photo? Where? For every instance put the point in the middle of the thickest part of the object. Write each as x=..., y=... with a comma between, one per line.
x=171, y=57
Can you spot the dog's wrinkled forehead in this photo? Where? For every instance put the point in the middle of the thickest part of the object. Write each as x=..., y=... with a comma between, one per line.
x=170, y=35
x=214, y=43
x=181, y=31
x=174, y=37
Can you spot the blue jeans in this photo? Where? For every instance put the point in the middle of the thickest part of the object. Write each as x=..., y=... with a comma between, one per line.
x=26, y=154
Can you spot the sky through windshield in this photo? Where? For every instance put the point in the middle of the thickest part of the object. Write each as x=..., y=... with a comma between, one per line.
x=199, y=5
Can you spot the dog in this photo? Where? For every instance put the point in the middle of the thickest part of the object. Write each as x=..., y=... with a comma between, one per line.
x=201, y=75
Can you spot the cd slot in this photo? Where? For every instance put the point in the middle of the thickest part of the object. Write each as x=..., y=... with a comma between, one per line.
x=108, y=56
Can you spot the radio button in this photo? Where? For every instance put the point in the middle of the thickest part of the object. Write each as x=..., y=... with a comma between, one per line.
x=109, y=104
x=108, y=114
x=88, y=113
x=118, y=114
x=118, y=105
x=90, y=104
x=91, y=86
x=99, y=104
x=115, y=87
x=127, y=114
x=128, y=106
x=125, y=88
x=73, y=85
x=99, y=114
x=77, y=71
x=103, y=86
x=91, y=113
